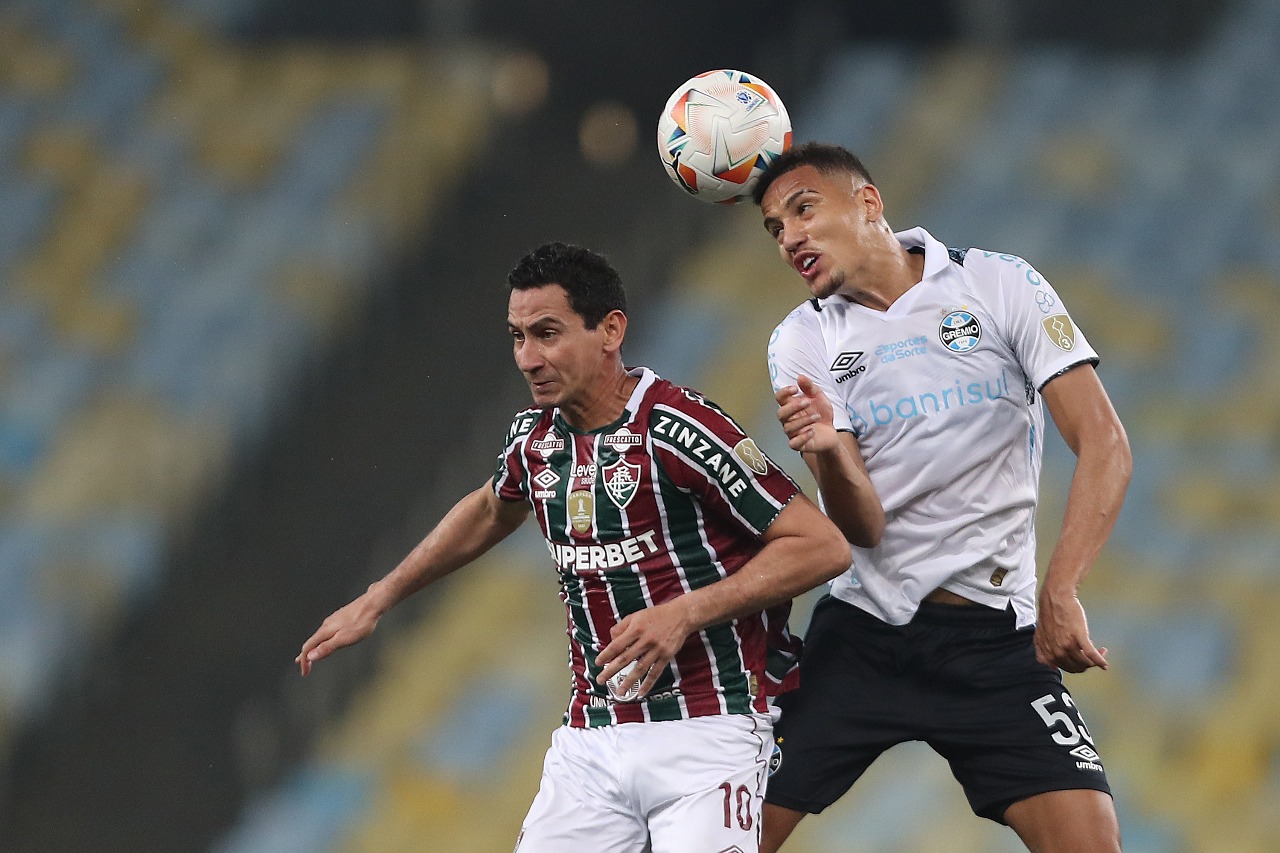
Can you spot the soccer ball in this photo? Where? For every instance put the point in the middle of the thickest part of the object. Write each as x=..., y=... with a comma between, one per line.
x=719, y=131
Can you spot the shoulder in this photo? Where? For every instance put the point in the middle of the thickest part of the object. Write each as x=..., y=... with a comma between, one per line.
x=812, y=312
x=679, y=398
x=807, y=321
x=987, y=265
x=523, y=423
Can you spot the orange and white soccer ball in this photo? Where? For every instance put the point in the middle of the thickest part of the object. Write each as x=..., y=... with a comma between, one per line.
x=719, y=131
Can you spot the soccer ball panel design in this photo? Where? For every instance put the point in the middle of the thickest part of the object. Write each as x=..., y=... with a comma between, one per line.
x=719, y=131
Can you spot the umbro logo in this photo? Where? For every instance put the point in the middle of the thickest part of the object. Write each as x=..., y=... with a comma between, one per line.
x=546, y=478
x=844, y=365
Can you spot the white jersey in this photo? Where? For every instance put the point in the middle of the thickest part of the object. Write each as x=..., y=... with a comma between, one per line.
x=941, y=392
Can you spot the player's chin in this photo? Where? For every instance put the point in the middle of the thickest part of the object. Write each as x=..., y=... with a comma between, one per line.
x=544, y=395
x=822, y=286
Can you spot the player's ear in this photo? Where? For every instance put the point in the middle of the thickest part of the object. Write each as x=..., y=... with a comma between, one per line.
x=614, y=327
x=869, y=196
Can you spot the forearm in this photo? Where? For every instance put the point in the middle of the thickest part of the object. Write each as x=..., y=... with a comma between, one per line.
x=848, y=497
x=783, y=569
x=473, y=526
x=1097, y=492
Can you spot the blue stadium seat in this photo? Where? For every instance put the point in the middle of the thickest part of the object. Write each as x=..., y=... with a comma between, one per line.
x=26, y=213
x=307, y=814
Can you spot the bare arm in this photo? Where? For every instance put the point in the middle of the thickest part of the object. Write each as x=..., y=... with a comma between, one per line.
x=1089, y=425
x=474, y=525
x=802, y=549
x=835, y=461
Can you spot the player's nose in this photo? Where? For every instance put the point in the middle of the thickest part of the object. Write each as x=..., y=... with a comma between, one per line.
x=527, y=357
x=792, y=238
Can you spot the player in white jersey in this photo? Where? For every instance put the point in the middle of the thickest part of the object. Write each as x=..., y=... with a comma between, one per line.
x=912, y=384
x=678, y=546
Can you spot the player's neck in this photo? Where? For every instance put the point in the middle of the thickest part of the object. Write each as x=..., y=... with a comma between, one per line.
x=605, y=405
x=889, y=275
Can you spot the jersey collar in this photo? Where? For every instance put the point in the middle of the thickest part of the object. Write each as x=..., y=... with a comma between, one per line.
x=646, y=376
x=936, y=258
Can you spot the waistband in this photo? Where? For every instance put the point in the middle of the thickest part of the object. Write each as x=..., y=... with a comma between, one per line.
x=934, y=613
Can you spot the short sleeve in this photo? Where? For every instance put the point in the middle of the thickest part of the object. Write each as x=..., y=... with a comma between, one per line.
x=703, y=451
x=1042, y=333
x=509, y=477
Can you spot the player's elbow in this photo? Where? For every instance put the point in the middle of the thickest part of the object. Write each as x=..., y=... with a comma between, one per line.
x=830, y=555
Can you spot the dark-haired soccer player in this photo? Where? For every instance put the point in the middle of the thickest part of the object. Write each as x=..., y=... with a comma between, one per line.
x=912, y=382
x=678, y=546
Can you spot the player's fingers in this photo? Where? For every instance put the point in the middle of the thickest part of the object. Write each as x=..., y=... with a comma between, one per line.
x=782, y=395
x=638, y=672
x=793, y=407
x=652, y=674
x=322, y=650
x=1093, y=656
x=806, y=385
x=1078, y=658
x=614, y=657
x=307, y=647
x=800, y=441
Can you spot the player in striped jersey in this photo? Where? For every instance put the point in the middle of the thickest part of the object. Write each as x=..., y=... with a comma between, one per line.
x=678, y=546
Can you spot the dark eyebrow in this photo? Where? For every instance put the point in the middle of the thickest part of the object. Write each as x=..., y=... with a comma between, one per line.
x=789, y=200
x=540, y=323
x=770, y=221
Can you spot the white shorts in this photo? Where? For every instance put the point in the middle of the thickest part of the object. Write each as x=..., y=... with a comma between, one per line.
x=684, y=786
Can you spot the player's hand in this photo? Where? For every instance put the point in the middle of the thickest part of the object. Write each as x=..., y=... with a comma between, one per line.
x=344, y=627
x=649, y=637
x=1062, y=634
x=806, y=416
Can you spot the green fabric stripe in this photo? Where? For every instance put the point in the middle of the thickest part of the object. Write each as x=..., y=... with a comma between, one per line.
x=583, y=637
x=695, y=567
x=733, y=680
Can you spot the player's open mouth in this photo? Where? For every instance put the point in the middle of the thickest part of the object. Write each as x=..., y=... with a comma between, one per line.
x=806, y=264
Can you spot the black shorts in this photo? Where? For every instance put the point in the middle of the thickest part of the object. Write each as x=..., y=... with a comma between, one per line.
x=963, y=679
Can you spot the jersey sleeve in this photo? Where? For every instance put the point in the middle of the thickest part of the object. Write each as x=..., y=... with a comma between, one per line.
x=1045, y=340
x=509, y=478
x=704, y=452
x=796, y=348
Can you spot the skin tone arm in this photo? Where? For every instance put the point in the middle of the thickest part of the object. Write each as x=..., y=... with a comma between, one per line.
x=802, y=549
x=474, y=525
x=1089, y=425
x=833, y=457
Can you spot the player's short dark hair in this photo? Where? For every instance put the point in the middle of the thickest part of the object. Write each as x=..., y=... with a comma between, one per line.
x=593, y=285
x=826, y=158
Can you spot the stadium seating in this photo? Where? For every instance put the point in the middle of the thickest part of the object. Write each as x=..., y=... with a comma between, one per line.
x=183, y=223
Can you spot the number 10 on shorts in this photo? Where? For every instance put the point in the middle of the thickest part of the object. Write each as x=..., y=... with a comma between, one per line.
x=737, y=806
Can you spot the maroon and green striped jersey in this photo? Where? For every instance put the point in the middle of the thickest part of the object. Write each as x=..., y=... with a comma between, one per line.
x=669, y=498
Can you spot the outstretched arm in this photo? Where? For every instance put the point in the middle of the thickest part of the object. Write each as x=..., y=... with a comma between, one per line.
x=802, y=549
x=1089, y=425
x=835, y=461
x=474, y=525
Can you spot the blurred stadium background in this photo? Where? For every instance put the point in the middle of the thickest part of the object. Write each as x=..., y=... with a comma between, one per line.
x=252, y=256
